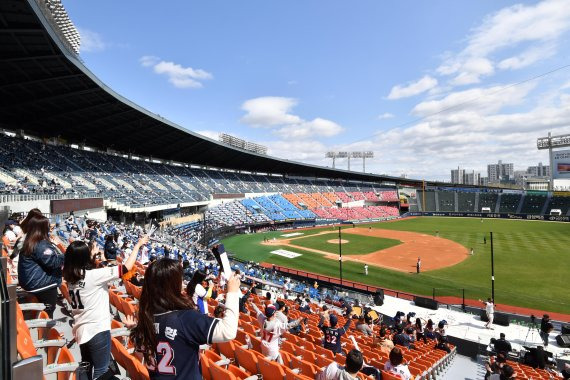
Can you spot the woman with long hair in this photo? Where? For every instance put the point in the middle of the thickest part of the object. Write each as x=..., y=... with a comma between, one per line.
x=429, y=330
x=89, y=295
x=40, y=263
x=170, y=331
x=199, y=290
x=33, y=213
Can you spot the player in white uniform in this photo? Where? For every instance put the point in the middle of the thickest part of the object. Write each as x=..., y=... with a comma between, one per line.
x=89, y=296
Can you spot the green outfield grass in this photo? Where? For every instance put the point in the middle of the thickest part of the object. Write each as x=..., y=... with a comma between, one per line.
x=531, y=261
x=357, y=244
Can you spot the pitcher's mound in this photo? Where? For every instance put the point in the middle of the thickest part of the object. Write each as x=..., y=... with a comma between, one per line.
x=335, y=241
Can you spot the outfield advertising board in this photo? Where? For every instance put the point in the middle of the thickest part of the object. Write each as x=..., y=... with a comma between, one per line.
x=561, y=164
x=490, y=215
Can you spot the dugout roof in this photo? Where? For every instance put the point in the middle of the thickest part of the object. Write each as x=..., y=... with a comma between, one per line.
x=46, y=91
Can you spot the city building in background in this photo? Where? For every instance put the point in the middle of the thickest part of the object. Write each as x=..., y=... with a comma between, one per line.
x=500, y=172
x=464, y=177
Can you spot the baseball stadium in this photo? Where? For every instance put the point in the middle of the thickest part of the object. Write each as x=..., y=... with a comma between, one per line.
x=123, y=230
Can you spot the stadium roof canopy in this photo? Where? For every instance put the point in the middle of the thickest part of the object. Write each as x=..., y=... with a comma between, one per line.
x=46, y=91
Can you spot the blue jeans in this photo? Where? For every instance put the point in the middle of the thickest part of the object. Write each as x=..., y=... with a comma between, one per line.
x=97, y=352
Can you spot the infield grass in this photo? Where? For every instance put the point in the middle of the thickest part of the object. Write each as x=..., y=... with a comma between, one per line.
x=356, y=245
x=531, y=261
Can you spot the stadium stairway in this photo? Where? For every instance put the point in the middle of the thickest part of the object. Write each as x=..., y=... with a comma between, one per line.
x=521, y=203
x=463, y=367
x=498, y=205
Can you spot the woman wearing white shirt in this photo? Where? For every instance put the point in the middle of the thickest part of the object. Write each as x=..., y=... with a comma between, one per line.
x=89, y=296
x=396, y=366
x=199, y=291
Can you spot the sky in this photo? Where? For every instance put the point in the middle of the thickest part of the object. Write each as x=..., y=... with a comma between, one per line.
x=426, y=86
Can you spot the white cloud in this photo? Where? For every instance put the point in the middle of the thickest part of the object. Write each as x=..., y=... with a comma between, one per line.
x=471, y=134
x=482, y=101
x=565, y=85
x=178, y=76
x=274, y=112
x=91, y=42
x=536, y=27
x=269, y=111
x=385, y=115
x=316, y=127
x=527, y=57
x=411, y=89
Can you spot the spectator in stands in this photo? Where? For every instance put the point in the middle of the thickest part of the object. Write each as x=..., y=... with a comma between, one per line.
x=501, y=345
x=306, y=306
x=169, y=330
x=506, y=373
x=9, y=234
x=442, y=344
x=332, y=333
x=219, y=311
x=363, y=327
x=404, y=337
x=271, y=331
x=346, y=307
x=199, y=290
x=244, y=299
x=396, y=366
x=94, y=250
x=40, y=263
x=419, y=330
x=429, y=330
x=383, y=342
x=440, y=330
x=334, y=371
x=90, y=302
x=24, y=227
x=110, y=250
x=186, y=270
x=496, y=366
x=545, y=328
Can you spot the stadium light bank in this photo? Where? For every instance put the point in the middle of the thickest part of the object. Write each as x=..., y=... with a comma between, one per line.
x=550, y=143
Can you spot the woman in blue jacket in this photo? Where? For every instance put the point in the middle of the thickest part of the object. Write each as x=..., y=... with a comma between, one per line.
x=40, y=264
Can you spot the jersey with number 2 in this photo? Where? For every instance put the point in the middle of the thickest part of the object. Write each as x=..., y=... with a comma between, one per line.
x=179, y=335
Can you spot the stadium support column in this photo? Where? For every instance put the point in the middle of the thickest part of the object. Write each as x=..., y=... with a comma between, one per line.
x=492, y=269
x=551, y=184
x=340, y=253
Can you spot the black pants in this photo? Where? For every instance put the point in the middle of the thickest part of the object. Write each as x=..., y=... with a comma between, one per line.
x=48, y=297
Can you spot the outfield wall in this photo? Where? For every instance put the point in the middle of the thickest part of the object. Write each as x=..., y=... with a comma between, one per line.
x=491, y=215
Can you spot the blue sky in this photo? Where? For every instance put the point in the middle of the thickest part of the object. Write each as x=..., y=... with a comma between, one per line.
x=425, y=85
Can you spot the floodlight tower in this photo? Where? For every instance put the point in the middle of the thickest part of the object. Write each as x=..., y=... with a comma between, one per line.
x=550, y=142
x=335, y=155
x=364, y=156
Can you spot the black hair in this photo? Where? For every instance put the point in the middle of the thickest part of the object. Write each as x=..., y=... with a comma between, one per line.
x=198, y=277
x=354, y=361
x=77, y=260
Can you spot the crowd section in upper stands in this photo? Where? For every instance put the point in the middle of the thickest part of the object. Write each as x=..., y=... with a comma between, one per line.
x=31, y=167
x=303, y=206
